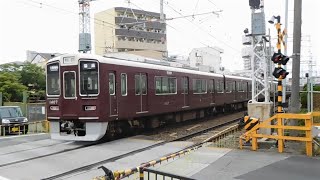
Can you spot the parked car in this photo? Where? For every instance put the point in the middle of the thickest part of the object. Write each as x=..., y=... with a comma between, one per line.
x=12, y=120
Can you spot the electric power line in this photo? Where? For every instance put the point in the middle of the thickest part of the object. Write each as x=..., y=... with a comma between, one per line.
x=203, y=29
x=70, y=12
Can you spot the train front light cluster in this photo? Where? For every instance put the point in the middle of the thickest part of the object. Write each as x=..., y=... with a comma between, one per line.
x=90, y=108
x=54, y=108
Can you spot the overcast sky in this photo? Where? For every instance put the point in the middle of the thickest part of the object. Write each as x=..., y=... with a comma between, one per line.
x=52, y=25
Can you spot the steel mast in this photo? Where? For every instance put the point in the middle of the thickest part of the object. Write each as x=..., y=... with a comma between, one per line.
x=84, y=26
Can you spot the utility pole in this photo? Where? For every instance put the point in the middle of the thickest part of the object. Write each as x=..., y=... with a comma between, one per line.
x=161, y=12
x=285, y=51
x=295, y=96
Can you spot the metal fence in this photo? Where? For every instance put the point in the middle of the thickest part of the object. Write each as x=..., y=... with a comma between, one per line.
x=152, y=174
x=25, y=128
x=33, y=111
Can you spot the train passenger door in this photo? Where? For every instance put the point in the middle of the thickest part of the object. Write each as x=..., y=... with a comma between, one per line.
x=141, y=90
x=185, y=91
x=113, y=103
x=211, y=91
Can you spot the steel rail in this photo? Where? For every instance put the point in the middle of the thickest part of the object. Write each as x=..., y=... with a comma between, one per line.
x=94, y=165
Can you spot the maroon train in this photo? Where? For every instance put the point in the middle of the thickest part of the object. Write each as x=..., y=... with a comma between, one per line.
x=89, y=96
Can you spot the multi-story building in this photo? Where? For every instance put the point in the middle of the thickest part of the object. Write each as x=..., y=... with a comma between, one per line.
x=130, y=30
x=206, y=59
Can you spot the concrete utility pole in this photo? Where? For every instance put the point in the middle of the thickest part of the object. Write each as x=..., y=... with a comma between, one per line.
x=161, y=11
x=295, y=96
x=285, y=51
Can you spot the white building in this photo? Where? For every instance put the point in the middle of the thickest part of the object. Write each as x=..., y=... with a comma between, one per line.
x=206, y=59
x=39, y=58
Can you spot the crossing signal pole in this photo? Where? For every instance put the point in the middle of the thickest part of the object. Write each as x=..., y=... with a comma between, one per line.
x=279, y=73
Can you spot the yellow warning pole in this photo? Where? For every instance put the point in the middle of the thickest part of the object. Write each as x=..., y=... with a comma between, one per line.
x=279, y=105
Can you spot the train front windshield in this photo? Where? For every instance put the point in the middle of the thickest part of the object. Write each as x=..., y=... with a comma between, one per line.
x=89, y=84
x=53, y=85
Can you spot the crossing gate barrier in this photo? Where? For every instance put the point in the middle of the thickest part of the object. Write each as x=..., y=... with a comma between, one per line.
x=248, y=123
x=253, y=133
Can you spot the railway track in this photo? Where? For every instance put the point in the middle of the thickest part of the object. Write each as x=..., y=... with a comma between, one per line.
x=45, y=155
x=180, y=138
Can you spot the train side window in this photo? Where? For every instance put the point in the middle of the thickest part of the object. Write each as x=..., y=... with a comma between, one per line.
x=219, y=87
x=240, y=86
x=158, y=85
x=211, y=85
x=124, y=89
x=185, y=85
x=144, y=84
x=112, y=84
x=140, y=84
x=199, y=86
x=245, y=86
x=166, y=85
x=137, y=84
x=229, y=87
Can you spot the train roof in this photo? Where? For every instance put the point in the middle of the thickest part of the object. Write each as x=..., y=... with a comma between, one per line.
x=126, y=62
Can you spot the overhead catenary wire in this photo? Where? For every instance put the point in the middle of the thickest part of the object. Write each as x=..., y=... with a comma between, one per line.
x=102, y=22
x=221, y=41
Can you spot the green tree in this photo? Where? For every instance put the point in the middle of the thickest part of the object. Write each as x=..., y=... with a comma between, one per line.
x=304, y=97
x=33, y=76
x=10, y=86
x=16, y=78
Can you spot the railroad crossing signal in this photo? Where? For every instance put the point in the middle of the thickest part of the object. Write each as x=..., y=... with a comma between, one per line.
x=280, y=73
x=280, y=58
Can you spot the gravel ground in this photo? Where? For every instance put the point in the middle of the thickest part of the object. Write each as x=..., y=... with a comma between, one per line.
x=170, y=133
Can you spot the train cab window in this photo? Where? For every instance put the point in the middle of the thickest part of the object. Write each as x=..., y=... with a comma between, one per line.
x=140, y=84
x=199, y=86
x=185, y=85
x=53, y=79
x=89, y=80
x=112, y=84
x=69, y=80
x=166, y=85
x=124, y=84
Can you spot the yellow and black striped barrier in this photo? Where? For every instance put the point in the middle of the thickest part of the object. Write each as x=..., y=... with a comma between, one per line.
x=248, y=123
x=116, y=175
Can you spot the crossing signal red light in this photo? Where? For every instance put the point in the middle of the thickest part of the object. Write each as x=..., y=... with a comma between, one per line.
x=280, y=58
x=280, y=72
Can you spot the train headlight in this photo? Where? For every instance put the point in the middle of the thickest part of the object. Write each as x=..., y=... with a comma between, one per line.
x=90, y=108
x=54, y=108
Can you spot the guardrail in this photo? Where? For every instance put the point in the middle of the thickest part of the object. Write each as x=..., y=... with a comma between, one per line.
x=25, y=128
x=253, y=134
x=154, y=174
